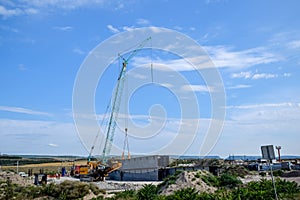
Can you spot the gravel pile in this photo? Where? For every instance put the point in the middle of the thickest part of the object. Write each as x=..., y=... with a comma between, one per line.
x=187, y=179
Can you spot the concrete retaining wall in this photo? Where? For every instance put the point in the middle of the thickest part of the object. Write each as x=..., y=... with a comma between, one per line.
x=129, y=176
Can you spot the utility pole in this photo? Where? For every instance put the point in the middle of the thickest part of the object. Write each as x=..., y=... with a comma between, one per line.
x=17, y=167
x=278, y=149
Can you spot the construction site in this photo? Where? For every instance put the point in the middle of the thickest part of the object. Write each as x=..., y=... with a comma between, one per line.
x=131, y=172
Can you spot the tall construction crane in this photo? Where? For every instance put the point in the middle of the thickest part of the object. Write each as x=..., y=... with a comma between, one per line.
x=117, y=101
x=97, y=170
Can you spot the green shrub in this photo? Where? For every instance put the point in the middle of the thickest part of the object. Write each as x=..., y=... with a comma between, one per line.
x=230, y=181
x=184, y=194
x=210, y=180
x=96, y=190
x=278, y=173
x=127, y=194
x=148, y=192
x=197, y=175
x=262, y=174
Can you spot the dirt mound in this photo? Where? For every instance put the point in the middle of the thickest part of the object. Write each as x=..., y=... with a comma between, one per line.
x=15, y=178
x=188, y=179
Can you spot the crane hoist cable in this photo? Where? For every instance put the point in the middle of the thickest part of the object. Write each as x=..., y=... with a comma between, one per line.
x=98, y=132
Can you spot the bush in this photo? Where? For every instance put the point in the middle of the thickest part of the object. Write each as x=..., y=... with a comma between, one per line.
x=262, y=174
x=210, y=180
x=148, y=192
x=230, y=181
x=96, y=190
x=184, y=194
x=278, y=173
x=127, y=194
x=170, y=180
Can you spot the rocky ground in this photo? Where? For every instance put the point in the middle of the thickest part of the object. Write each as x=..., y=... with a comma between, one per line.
x=184, y=180
x=15, y=178
x=124, y=185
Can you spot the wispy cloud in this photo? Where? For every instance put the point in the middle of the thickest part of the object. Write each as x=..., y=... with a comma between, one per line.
x=142, y=21
x=287, y=74
x=53, y=145
x=294, y=44
x=239, y=87
x=78, y=51
x=245, y=75
x=165, y=65
x=112, y=29
x=127, y=28
x=28, y=136
x=65, y=4
x=224, y=56
x=10, y=12
x=23, y=110
x=266, y=105
x=63, y=28
x=197, y=88
x=29, y=7
x=22, y=67
x=264, y=76
x=255, y=76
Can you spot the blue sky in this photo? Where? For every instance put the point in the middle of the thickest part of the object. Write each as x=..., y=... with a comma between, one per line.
x=254, y=45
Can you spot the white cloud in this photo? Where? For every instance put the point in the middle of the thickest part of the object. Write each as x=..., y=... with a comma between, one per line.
x=294, y=44
x=197, y=88
x=138, y=76
x=6, y=12
x=287, y=74
x=39, y=137
x=112, y=29
x=223, y=56
x=29, y=7
x=65, y=4
x=178, y=28
x=63, y=28
x=245, y=75
x=254, y=76
x=264, y=105
x=165, y=65
x=78, y=51
x=53, y=145
x=22, y=110
x=264, y=76
x=239, y=86
x=9, y=12
x=22, y=67
x=126, y=28
x=142, y=21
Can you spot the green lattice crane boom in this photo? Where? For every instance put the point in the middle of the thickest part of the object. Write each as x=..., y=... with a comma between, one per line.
x=117, y=101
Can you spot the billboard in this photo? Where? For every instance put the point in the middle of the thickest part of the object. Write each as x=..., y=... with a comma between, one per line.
x=268, y=152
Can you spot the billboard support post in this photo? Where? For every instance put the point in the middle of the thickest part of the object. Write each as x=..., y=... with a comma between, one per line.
x=268, y=154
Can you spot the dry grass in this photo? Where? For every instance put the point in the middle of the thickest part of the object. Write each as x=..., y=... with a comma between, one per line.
x=46, y=167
